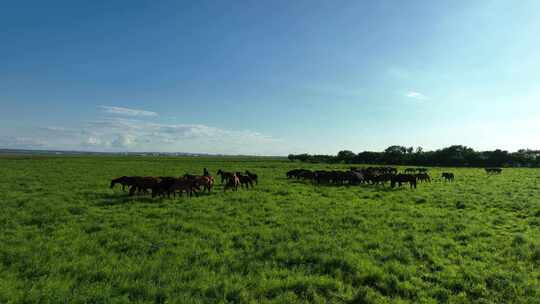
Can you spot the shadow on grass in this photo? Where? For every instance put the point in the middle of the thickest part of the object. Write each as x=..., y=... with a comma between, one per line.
x=119, y=198
x=115, y=198
x=371, y=187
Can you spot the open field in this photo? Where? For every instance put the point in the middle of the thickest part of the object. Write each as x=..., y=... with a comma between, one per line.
x=65, y=237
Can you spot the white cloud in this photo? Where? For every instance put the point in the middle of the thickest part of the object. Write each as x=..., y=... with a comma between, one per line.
x=127, y=112
x=91, y=141
x=122, y=134
x=22, y=142
x=416, y=95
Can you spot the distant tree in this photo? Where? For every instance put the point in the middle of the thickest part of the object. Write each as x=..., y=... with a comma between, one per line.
x=396, y=150
x=394, y=154
x=303, y=157
x=345, y=156
x=456, y=155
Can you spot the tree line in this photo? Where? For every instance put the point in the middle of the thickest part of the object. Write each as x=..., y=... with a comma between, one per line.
x=455, y=156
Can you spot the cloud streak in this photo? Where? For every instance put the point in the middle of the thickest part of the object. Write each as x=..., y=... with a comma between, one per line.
x=127, y=112
x=416, y=95
x=116, y=134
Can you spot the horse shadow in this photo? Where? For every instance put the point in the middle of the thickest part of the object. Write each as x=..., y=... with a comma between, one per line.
x=103, y=199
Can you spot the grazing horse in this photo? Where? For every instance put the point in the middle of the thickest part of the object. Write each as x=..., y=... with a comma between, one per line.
x=381, y=178
x=184, y=185
x=245, y=180
x=307, y=175
x=143, y=184
x=207, y=182
x=225, y=176
x=493, y=170
x=296, y=173
x=162, y=187
x=253, y=177
x=355, y=177
x=448, y=176
x=403, y=178
x=423, y=177
x=124, y=181
x=232, y=183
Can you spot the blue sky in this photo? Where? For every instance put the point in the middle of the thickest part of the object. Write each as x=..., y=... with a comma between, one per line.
x=269, y=77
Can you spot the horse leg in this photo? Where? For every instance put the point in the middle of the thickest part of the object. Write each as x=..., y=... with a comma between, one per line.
x=132, y=190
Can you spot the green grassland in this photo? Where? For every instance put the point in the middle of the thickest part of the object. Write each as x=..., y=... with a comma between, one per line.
x=65, y=237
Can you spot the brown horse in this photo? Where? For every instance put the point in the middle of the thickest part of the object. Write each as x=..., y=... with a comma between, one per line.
x=163, y=186
x=206, y=181
x=182, y=185
x=225, y=176
x=245, y=181
x=143, y=184
x=232, y=183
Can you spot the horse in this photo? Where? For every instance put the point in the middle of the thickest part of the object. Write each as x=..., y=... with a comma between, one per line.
x=355, y=177
x=184, y=185
x=253, y=177
x=381, y=178
x=233, y=182
x=403, y=178
x=124, y=181
x=245, y=180
x=307, y=175
x=448, y=176
x=143, y=184
x=206, y=181
x=296, y=173
x=163, y=186
x=423, y=177
x=493, y=170
x=225, y=176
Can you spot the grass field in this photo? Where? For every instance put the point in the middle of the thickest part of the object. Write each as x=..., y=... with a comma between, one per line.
x=65, y=237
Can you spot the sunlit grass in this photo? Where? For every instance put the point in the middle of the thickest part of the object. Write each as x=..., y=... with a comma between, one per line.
x=66, y=237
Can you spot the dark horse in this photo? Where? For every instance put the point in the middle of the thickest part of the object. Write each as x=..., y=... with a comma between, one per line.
x=493, y=170
x=245, y=180
x=403, y=178
x=423, y=177
x=253, y=177
x=225, y=176
x=448, y=176
x=124, y=181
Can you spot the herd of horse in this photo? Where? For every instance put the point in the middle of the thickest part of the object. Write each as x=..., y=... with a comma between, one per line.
x=188, y=183
x=374, y=176
x=194, y=184
x=370, y=175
